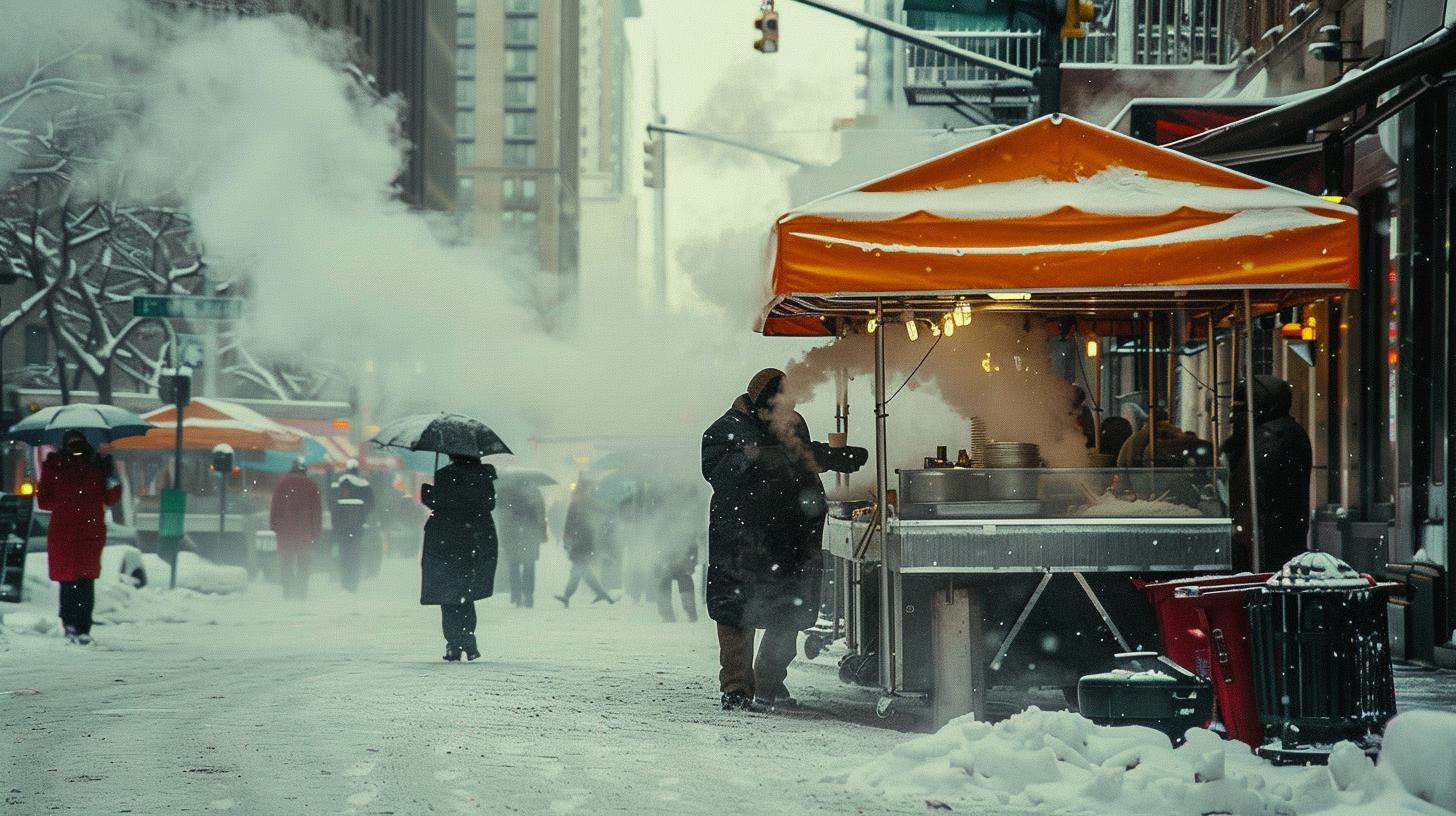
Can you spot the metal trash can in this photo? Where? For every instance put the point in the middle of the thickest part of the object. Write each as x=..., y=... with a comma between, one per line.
x=15, y=514
x=265, y=547
x=1321, y=655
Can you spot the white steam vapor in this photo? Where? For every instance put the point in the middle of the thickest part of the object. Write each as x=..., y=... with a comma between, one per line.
x=287, y=172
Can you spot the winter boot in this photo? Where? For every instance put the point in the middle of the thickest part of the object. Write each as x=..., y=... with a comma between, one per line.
x=734, y=700
x=471, y=652
x=565, y=601
x=452, y=653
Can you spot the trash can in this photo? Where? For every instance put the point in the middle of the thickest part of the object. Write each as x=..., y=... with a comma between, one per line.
x=1322, y=659
x=1204, y=622
x=265, y=547
x=1146, y=689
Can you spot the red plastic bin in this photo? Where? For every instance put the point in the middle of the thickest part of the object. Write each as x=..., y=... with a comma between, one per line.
x=1204, y=622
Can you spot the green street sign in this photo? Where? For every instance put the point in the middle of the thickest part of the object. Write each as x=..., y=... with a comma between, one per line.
x=187, y=307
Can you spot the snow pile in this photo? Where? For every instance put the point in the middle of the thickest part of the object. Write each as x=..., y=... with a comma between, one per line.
x=118, y=600
x=1057, y=761
x=1113, y=507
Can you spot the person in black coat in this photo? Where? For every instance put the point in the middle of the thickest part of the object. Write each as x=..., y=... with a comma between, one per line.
x=457, y=564
x=1283, y=461
x=352, y=501
x=522, y=512
x=579, y=535
x=765, y=523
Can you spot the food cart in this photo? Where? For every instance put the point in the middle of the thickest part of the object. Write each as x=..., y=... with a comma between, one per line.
x=1056, y=217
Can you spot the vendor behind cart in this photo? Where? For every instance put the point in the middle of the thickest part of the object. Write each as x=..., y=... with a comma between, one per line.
x=765, y=526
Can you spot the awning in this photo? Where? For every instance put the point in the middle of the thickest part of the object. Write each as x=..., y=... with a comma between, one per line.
x=1054, y=207
x=208, y=422
x=1434, y=55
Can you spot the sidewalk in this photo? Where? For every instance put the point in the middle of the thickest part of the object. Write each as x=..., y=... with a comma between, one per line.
x=1418, y=687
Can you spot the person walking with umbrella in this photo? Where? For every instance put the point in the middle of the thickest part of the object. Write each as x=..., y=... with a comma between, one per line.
x=76, y=485
x=458, y=561
x=460, y=550
x=296, y=516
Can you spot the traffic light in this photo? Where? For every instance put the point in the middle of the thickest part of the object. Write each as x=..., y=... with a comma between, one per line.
x=1078, y=12
x=768, y=23
x=654, y=165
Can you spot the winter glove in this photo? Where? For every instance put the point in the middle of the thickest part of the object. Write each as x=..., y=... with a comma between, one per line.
x=108, y=466
x=842, y=460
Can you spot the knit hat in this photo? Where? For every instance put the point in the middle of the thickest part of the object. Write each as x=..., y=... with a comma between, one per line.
x=761, y=381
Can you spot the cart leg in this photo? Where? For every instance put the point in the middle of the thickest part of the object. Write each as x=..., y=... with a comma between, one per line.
x=958, y=676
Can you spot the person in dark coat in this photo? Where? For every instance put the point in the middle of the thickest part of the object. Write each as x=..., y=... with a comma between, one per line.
x=76, y=486
x=765, y=524
x=1283, y=462
x=296, y=517
x=522, y=513
x=352, y=501
x=1115, y=432
x=579, y=536
x=458, y=558
x=678, y=538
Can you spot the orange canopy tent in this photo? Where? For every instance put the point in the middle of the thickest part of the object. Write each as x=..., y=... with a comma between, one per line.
x=207, y=423
x=1054, y=210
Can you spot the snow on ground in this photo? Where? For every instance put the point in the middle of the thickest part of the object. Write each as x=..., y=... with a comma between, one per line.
x=589, y=709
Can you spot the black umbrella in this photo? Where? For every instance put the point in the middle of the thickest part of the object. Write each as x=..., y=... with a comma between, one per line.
x=450, y=434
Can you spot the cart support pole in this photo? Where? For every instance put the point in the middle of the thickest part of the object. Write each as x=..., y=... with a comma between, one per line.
x=1249, y=429
x=886, y=647
x=1213, y=378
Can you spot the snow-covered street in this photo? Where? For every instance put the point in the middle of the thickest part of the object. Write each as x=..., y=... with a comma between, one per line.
x=342, y=705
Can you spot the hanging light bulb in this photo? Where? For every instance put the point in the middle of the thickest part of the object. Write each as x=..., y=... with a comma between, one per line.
x=948, y=326
x=872, y=325
x=934, y=328
x=962, y=313
x=1092, y=347
x=912, y=330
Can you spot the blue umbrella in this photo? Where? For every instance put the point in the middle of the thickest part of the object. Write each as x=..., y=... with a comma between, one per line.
x=99, y=423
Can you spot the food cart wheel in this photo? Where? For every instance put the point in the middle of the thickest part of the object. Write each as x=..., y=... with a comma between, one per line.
x=885, y=707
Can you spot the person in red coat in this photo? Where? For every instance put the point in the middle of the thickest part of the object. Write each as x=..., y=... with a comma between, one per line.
x=297, y=518
x=76, y=485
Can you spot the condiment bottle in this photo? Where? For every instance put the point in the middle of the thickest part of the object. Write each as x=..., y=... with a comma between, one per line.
x=940, y=460
x=964, y=459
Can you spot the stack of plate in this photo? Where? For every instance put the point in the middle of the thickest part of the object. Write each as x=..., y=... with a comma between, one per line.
x=1012, y=455
x=979, y=440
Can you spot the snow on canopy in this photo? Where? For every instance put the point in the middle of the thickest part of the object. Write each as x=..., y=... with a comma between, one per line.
x=209, y=422
x=1055, y=205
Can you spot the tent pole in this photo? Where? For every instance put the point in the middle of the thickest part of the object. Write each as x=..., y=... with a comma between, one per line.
x=887, y=651
x=1213, y=378
x=1152, y=391
x=1251, y=454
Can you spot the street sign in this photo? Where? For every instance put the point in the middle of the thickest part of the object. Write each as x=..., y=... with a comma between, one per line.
x=187, y=307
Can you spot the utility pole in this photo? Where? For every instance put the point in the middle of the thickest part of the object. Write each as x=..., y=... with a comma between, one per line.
x=659, y=196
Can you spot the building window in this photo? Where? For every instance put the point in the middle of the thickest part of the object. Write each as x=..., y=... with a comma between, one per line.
x=465, y=123
x=465, y=29
x=508, y=219
x=465, y=61
x=465, y=6
x=465, y=191
x=465, y=153
x=520, y=155
x=520, y=30
x=465, y=93
x=37, y=346
x=520, y=125
x=520, y=62
x=528, y=190
x=527, y=6
x=521, y=93
x=528, y=219
x=508, y=189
